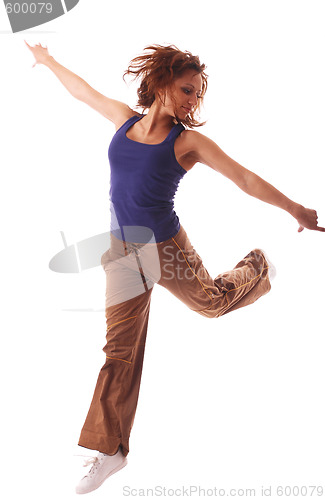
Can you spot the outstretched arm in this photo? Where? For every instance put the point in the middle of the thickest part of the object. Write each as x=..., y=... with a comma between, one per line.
x=206, y=151
x=115, y=111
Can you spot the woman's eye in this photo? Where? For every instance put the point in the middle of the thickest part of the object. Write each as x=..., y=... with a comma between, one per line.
x=188, y=91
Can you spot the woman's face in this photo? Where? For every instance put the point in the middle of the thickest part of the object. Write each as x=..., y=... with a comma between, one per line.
x=186, y=92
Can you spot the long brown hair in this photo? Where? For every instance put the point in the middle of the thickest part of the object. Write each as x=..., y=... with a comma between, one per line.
x=157, y=70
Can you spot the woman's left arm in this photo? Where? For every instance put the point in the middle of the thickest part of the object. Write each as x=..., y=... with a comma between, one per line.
x=208, y=152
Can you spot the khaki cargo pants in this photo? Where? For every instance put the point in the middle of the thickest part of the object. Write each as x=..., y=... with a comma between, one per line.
x=132, y=269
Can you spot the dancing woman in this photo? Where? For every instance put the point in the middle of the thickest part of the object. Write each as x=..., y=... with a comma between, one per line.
x=149, y=155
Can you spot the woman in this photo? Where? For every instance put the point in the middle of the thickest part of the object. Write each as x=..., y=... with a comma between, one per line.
x=149, y=155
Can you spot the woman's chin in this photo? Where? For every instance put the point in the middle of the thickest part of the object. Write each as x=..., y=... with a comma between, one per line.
x=181, y=115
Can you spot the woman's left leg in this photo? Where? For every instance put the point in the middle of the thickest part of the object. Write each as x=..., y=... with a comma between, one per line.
x=111, y=414
x=112, y=411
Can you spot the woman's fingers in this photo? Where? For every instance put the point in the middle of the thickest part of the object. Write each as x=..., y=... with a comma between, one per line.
x=40, y=53
x=308, y=218
x=37, y=45
x=311, y=224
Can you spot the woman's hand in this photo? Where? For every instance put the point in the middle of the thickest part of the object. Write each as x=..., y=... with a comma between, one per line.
x=40, y=53
x=307, y=218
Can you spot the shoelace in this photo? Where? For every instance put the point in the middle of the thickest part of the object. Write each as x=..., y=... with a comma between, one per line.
x=91, y=460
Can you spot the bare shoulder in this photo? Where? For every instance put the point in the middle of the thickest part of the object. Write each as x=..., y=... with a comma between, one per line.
x=195, y=147
x=202, y=149
x=124, y=114
x=191, y=141
x=186, y=148
x=114, y=110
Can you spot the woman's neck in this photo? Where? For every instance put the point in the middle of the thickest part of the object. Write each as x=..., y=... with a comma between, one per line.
x=156, y=120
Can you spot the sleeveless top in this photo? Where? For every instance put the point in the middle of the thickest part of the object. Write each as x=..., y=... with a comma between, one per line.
x=144, y=181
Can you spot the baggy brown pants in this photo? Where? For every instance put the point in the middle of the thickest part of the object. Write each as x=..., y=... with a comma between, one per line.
x=132, y=269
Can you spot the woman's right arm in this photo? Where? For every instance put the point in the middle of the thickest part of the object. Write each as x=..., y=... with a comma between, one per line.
x=115, y=111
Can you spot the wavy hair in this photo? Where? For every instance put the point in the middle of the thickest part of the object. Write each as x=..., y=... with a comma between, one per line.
x=157, y=70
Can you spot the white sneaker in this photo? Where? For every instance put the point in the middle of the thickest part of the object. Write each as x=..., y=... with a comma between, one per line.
x=271, y=269
x=103, y=467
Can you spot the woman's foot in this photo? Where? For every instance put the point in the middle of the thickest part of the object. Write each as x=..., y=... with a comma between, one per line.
x=103, y=467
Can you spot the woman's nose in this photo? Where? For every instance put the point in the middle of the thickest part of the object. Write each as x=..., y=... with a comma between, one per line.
x=193, y=100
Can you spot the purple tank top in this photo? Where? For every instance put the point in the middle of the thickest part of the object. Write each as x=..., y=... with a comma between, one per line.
x=144, y=181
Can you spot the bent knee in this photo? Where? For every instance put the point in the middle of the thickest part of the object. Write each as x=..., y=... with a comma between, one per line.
x=209, y=313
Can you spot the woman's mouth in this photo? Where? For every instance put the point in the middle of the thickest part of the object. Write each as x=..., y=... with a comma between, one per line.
x=188, y=110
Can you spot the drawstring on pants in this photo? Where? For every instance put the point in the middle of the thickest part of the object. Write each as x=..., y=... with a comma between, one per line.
x=135, y=248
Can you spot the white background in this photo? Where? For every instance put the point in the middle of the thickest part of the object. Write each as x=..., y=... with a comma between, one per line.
x=230, y=403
